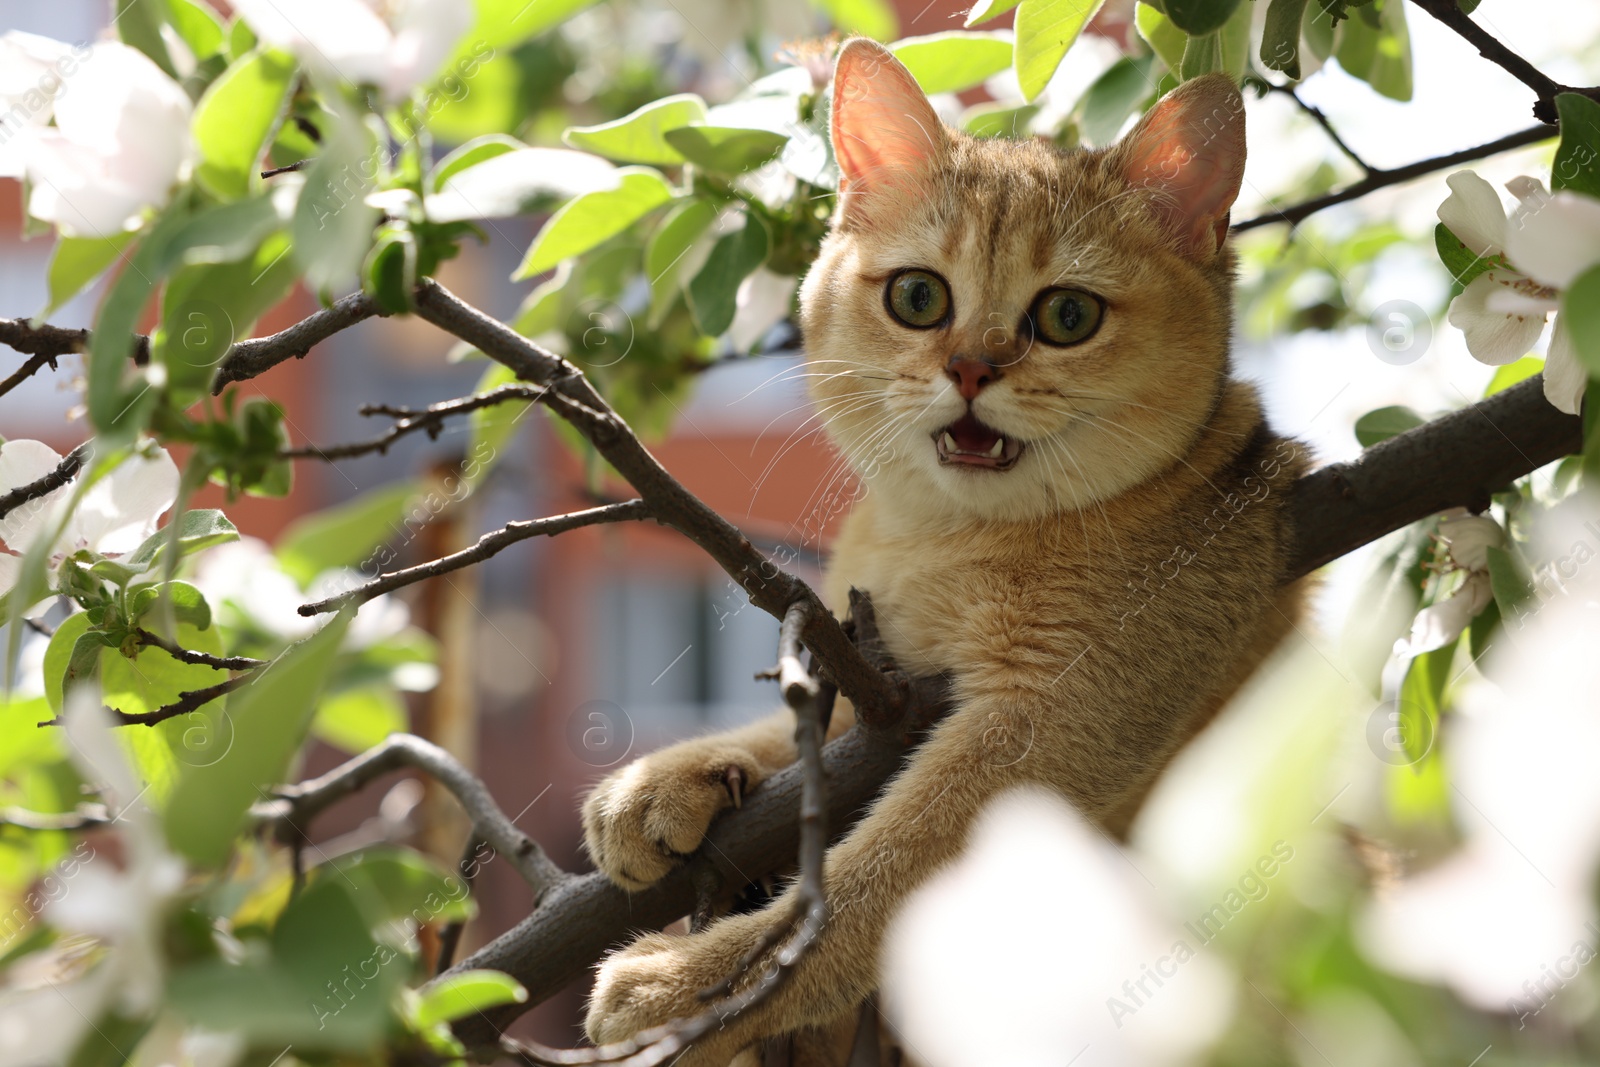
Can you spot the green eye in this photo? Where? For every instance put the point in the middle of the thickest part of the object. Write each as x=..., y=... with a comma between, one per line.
x=1066, y=316
x=918, y=298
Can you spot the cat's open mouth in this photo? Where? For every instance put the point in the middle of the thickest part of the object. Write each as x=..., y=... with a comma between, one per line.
x=972, y=444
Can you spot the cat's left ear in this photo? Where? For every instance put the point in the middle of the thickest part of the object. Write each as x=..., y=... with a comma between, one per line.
x=1189, y=149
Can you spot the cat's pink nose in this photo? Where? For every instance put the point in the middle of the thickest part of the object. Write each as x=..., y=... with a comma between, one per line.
x=971, y=375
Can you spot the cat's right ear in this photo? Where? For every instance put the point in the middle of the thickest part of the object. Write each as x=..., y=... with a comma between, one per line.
x=886, y=136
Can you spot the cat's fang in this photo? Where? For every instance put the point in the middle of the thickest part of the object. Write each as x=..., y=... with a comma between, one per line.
x=999, y=447
x=949, y=443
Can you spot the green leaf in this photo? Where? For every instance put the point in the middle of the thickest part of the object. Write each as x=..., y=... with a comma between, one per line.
x=1200, y=17
x=356, y=719
x=1233, y=43
x=1115, y=96
x=1381, y=55
x=998, y=120
x=478, y=150
x=458, y=995
x=1577, y=162
x=503, y=23
x=1045, y=30
x=593, y=218
x=118, y=412
x=984, y=10
x=1280, y=37
x=332, y=221
x=1420, y=694
x=241, y=38
x=1160, y=34
x=726, y=149
x=186, y=602
x=1511, y=373
x=1509, y=579
x=1463, y=264
x=398, y=883
x=58, y=658
x=139, y=25
x=1580, y=316
x=1384, y=423
x=270, y=715
x=954, y=60
x=1201, y=55
x=664, y=254
x=77, y=261
x=235, y=119
x=869, y=18
x=504, y=184
x=345, y=535
x=714, y=290
x=639, y=137
x=198, y=25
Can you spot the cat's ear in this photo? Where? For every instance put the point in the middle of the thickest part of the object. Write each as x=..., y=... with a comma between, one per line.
x=1189, y=149
x=886, y=136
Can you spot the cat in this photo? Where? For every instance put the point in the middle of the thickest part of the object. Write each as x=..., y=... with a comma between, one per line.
x=1070, y=507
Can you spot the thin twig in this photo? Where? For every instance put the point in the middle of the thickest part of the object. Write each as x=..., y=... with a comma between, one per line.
x=798, y=931
x=63, y=473
x=189, y=701
x=29, y=366
x=43, y=339
x=1321, y=119
x=1489, y=47
x=84, y=817
x=429, y=419
x=1379, y=179
x=295, y=806
x=488, y=545
x=299, y=164
x=199, y=659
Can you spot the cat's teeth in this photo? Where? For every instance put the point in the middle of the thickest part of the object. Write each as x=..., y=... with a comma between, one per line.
x=999, y=447
x=950, y=443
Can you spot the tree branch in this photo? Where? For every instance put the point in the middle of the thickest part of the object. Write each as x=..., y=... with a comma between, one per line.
x=430, y=419
x=1457, y=460
x=487, y=545
x=769, y=587
x=246, y=359
x=201, y=659
x=293, y=807
x=84, y=817
x=1379, y=179
x=1489, y=47
x=188, y=701
x=49, y=342
x=65, y=471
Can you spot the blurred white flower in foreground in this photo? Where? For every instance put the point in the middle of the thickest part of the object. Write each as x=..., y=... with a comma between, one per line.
x=395, y=46
x=1467, y=539
x=1040, y=946
x=120, y=139
x=244, y=576
x=114, y=517
x=1549, y=239
x=125, y=910
x=1514, y=906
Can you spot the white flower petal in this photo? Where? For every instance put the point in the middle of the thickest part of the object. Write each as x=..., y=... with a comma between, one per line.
x=1469, y=538
x=1438, y=625
x=1495, y=338
x=763, y=301
x=344, y=38
x=21, y=462
x=95, y=752
x=1505, y=300
x=1555, y=240
x=122, y=509
x=1473, y=213
x=1565, y=378
x=425, y=35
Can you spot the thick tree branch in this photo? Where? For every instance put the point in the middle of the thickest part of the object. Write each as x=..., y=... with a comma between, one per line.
x=47, y=343
x=246, y=359
x=429, y=419
x=291, y=811
x=1490, y=47
x=65, y=471
x=1380, y=179
x=487, y=545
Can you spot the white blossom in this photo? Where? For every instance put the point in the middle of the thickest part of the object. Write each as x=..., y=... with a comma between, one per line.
x=120, y=139
x=1467, y=539
x=1548, y=240
x=395, y=45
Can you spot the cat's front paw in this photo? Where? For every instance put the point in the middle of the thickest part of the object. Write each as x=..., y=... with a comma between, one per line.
x=638, y=822
x=651, y=982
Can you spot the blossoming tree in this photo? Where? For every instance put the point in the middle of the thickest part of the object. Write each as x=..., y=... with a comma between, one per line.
x=165, y=670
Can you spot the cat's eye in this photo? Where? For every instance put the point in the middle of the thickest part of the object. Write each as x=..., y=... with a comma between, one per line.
x=1066, y=316
x=918, y=298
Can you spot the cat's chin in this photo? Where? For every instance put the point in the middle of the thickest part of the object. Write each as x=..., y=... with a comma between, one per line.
x=973, y=445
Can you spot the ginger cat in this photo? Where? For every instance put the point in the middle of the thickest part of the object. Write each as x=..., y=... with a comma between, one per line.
x=1070, y=507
